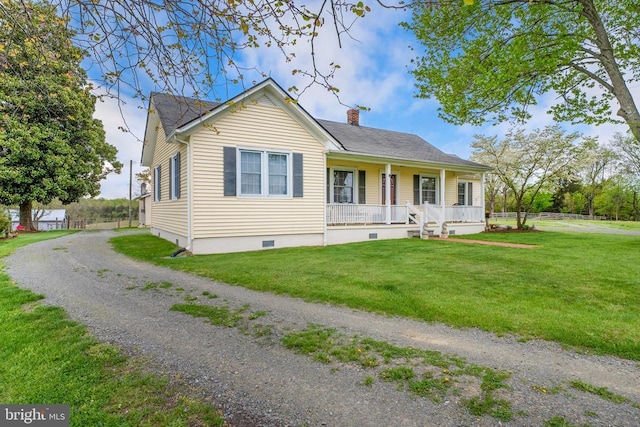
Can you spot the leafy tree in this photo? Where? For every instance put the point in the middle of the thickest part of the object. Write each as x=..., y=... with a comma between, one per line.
x=564, y=187
x=597, y=166
x=529, y=163
x=574, y=203
x=629, y=151
x=615, y=199
x=635, y=198
x=5, y=222
x=50, y=144
x=541, y=202
x=491, y=60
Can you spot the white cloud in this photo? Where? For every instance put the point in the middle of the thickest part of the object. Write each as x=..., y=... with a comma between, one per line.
x=114, y=115
x=372, y=63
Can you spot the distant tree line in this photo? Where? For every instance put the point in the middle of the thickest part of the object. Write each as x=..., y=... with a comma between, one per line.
x=96, y=209
x=550, y=171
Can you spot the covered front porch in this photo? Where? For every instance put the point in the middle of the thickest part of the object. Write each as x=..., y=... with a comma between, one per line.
x=397, y=221
x=373, y=200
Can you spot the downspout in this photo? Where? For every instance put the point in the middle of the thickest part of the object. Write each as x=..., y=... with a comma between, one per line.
x=189, y=225
x=387, y=192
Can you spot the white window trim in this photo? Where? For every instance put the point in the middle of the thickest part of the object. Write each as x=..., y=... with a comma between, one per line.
x=173, y=176
x=438, y=195
x=264, y=172
x=157, y=185
x=356, y=183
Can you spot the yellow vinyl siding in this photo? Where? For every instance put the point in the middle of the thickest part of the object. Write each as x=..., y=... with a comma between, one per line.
x=263, y=127
x=450, y=188
x=169, y=214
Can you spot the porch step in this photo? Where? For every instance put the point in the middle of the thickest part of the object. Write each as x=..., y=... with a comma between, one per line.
x=413, y=233
x=430, y=229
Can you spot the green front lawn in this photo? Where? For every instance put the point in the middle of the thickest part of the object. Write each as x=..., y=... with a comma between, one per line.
x=580, y=290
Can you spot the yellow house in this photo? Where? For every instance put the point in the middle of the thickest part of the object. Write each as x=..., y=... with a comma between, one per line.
x=259, y=172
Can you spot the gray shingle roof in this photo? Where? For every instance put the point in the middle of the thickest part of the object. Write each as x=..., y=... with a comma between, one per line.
x=386, y=143
x=177, y=111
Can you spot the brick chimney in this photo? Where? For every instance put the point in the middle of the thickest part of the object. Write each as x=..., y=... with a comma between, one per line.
x=353, y=117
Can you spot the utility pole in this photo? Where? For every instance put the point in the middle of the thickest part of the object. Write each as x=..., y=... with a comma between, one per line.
x=130, y=184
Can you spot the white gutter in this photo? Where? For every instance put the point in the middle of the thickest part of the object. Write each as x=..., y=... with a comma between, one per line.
x=174, y=137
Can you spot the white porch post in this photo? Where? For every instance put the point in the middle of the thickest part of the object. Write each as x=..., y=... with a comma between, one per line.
x=387, y=192
x=325, y=200
x=482, y=201
x=442, y=202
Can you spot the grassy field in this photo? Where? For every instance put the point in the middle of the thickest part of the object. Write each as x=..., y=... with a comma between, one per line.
x=45, y=358
x=580, y=290
x=584, y=224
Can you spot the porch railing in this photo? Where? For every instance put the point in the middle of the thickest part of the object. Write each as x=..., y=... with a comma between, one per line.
x=454, y=213
x=464, y=213
x=346, y=213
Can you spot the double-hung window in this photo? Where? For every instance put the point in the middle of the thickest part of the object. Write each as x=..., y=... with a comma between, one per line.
x=343, y=186
x=465, y=193
x=278, y=164
x=429, y=189
x=250, y=172
x=264, y=173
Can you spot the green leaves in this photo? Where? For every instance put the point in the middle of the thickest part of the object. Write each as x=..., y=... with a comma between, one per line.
x=360, y=9
x=491, y=61
x=51, y=144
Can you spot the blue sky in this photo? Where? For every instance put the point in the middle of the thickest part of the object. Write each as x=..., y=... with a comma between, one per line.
x=373, y=73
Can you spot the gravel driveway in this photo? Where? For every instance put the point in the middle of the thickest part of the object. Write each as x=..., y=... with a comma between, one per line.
x=255, y=380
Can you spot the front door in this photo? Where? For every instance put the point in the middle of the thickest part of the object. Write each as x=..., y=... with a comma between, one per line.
x=393, y=189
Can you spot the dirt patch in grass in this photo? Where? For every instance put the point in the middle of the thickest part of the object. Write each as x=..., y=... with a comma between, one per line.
x=484, y=242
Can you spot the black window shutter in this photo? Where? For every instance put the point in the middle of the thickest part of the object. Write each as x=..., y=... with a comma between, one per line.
x=470, y=195
x=170, y=178
x=178, y=170
x=416, y=190
x=298, y=176
x=328, y=184
x=229, y=160
x=362, y=186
